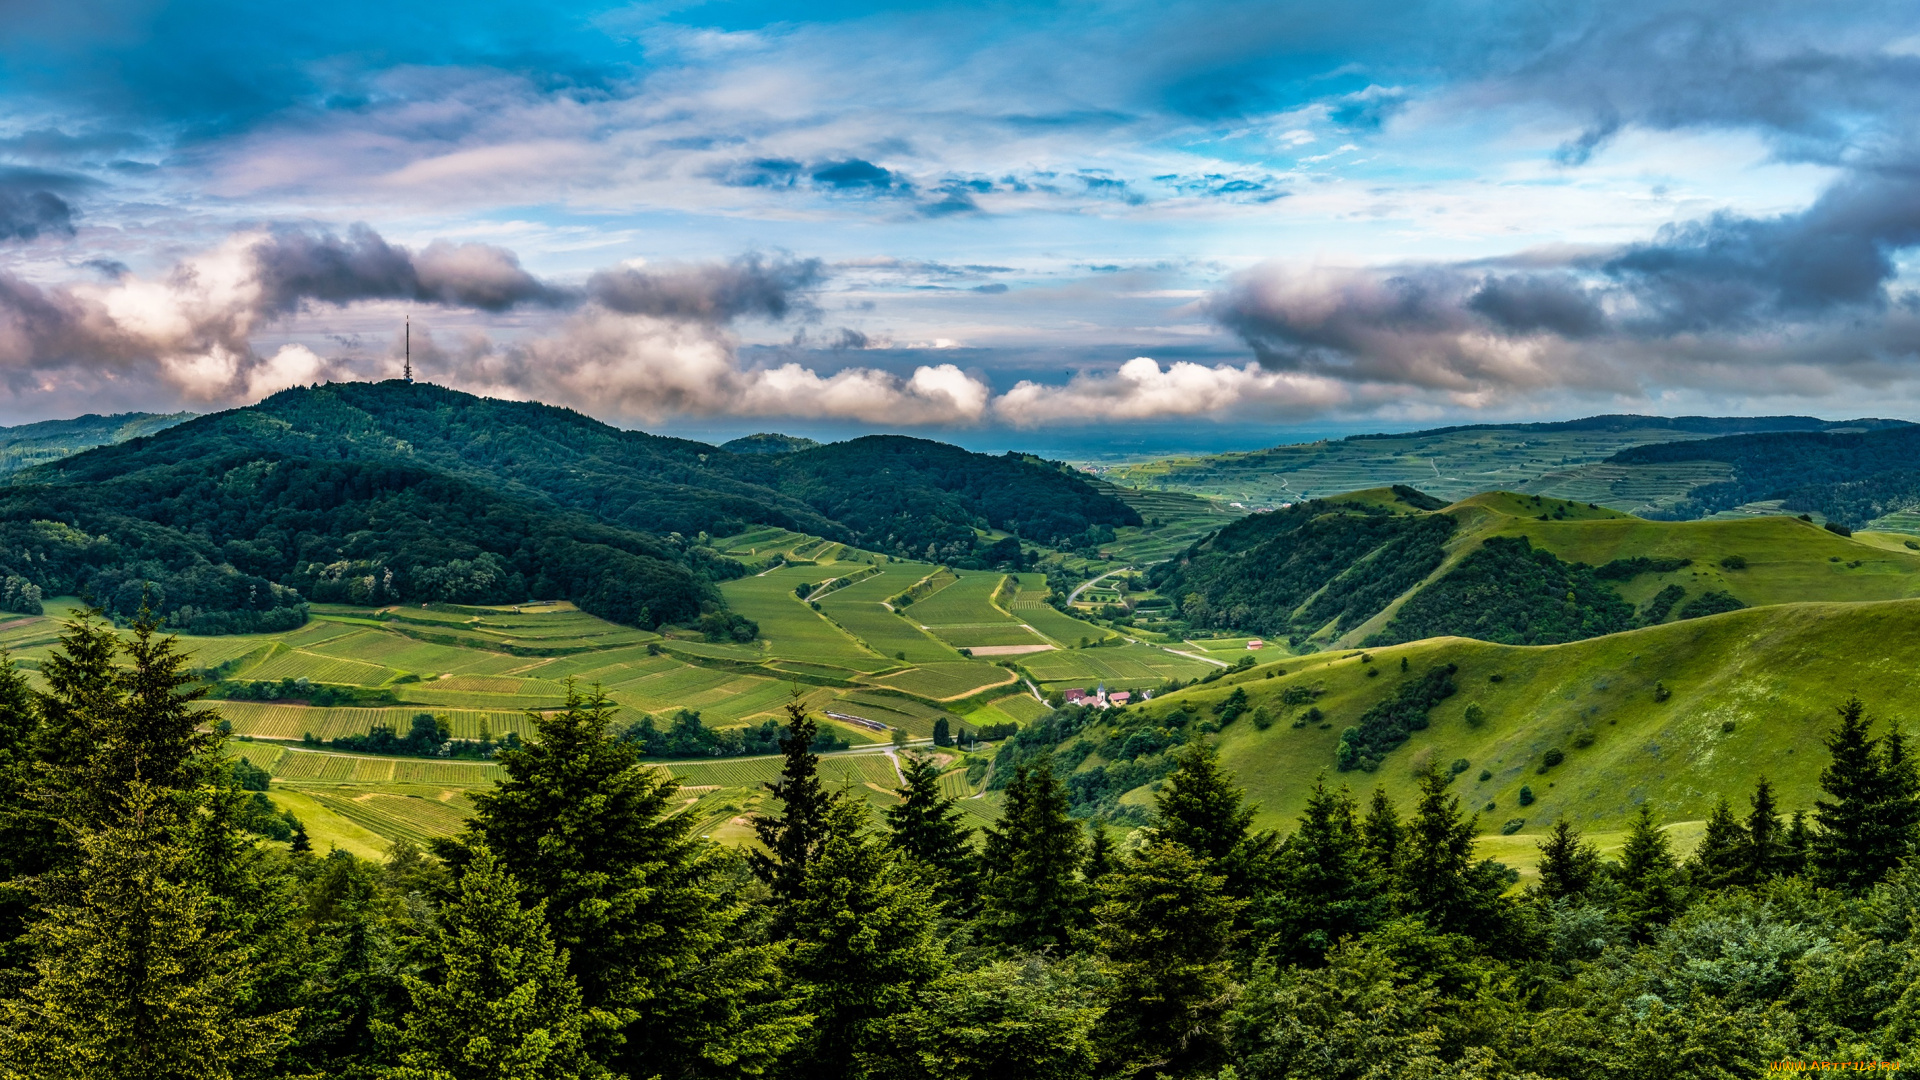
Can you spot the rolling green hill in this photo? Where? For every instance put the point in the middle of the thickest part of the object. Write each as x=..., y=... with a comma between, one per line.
x=1372, y=567
x=1751, y=692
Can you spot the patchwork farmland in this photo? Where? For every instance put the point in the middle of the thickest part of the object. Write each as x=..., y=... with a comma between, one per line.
x=829, y=633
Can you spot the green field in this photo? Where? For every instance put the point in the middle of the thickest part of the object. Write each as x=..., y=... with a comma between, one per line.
x=790, y=628
x=1126, y=667
x=1029, y=605
x=1173, y=520
x=861, y=611
x=1752, y=691
x=965, y=601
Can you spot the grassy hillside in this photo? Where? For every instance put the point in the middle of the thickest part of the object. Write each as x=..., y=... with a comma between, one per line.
x=1751, y=692
x=1786, y=560
x=1756, y=560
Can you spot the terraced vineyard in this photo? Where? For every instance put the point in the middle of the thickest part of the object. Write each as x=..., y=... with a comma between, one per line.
x=481, y=670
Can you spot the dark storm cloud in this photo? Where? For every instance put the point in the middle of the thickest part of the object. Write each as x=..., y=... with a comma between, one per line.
x=31, y=203
x=1700, y=292
x=714, y=293
x=297, y=266
x=1728, y=270
x=1527, y=303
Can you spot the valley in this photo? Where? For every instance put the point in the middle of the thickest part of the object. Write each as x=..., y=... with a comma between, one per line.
x=1746, y=621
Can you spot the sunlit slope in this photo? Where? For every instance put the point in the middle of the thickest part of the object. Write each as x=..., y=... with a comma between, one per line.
x=1787, y=560
x=1757, y=560
x=1752, y=692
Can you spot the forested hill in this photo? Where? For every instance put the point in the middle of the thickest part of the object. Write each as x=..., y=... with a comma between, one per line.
x=27, y=445
x=1326, y=562
x=1850, y=477
x=401, y=492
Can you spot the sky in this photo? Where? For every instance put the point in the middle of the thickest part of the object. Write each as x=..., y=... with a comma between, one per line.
x=1080, y=226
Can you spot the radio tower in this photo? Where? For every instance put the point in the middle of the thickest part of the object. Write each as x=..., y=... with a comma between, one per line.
x=409, y=368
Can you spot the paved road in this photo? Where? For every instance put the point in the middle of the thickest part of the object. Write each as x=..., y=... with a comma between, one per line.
x=1075, y=594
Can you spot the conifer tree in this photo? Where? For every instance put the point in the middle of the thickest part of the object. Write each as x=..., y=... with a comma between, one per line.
x=1765, y=846
x=1380, y=833
x=926, y=826
x=84, y=690
x=1569, y=865
x=790, y=839
x=1201, y=808
x=1855, y=845
x=1434, y=874
x=350, y=974
x=156, y=734
x=1324, y=891
x=132, y=977
x=1722, y=859
x=1166, y=926
x=1901, y=815
x=1033, y=897
x=505, y=1009
x=863, y=943
x=1650, y=889
x=1102, y=857
x=1023, y=1019
x=27, y=837
x=1796, y=852
x=583, y=824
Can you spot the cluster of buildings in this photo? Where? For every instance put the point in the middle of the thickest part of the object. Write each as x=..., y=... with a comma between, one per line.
x=1099, y=698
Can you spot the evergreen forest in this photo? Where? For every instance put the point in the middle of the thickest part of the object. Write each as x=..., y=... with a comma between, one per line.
x=575, y=927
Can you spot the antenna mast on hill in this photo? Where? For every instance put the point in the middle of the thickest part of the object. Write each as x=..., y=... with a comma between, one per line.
x=409, y=369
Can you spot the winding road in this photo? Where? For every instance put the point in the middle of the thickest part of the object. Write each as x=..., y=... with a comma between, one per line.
x=1075, y=594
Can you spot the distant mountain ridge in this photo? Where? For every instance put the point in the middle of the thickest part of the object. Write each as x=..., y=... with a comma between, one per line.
x=1697, y=425
x=1849, y=477
x=1567, y=459
x=385, y=492
x=27, y=445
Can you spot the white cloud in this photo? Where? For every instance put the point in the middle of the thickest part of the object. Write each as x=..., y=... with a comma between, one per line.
x=1143, y=390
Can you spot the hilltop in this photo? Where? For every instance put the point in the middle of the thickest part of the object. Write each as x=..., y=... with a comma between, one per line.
x=1381, y=567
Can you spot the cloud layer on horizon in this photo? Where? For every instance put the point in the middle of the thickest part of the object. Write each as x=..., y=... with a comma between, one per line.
x=1396, y=208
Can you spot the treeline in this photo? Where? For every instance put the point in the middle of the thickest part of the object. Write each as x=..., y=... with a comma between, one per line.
x=1851, y=478
x=1512, y=593
x=1289, y=572
x=302, y=689
x=577, y=928
x=922, y=499
x=427, y=736
x=687, y=736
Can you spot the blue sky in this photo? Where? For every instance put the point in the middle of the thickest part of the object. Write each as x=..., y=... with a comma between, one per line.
x=1069, y=224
